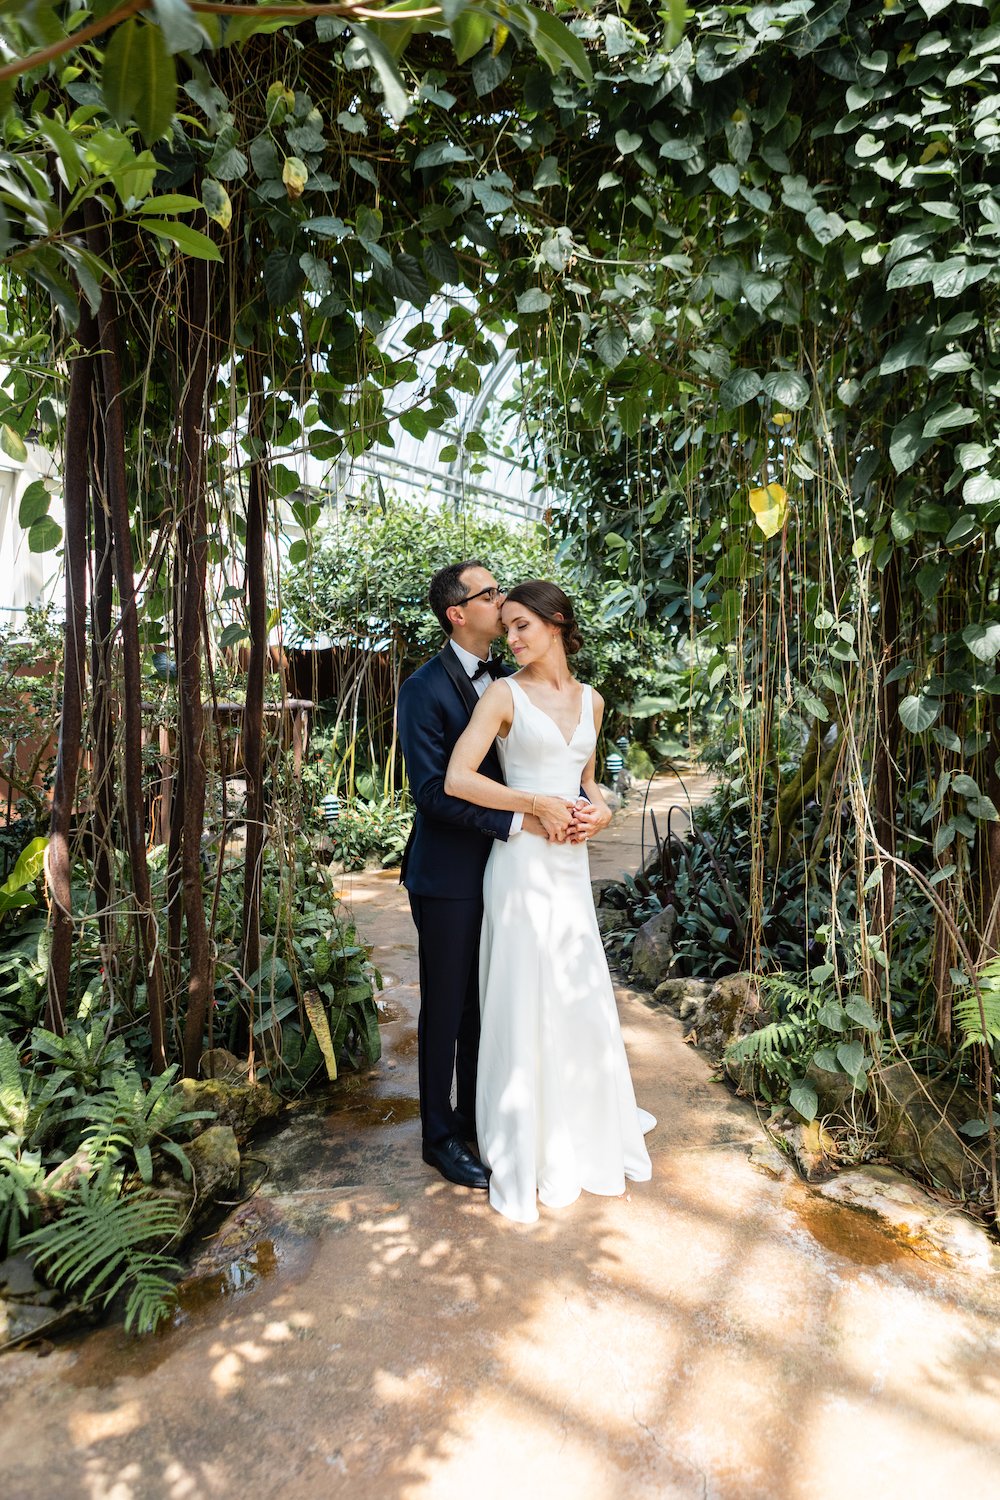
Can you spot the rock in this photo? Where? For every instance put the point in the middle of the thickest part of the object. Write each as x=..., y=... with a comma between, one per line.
x=731, y=1008
x=238, y=1105
x=918, y=1129
x=683, y=996
x=610, y=921
x=21, y=1321
x=219, y=1063
x=832, y=1089
x=17, y=1279
x=811, y=1146
x=598, y=887
x=913, y=1217
x=765, y=1157
x=653, y=949
x=215, y=1161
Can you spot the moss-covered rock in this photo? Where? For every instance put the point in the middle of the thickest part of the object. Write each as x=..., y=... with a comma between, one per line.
x=918, y=1129
x=215, y=1163
x=731, y=1008
x=241, y=1106
x=682, y=996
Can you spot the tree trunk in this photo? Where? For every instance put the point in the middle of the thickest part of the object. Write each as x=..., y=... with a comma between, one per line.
x=81, y=384
x=885, y=774
x=193, y=555
x=102, y=709
x=253, y=713
x=134, y=800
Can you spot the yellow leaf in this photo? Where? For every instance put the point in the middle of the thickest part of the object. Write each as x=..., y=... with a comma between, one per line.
x=321, y=1031
x=781, y=418
x=499, y=38
x=769, y=506
x=936, y=148
x=216, y=203
x=295, y=175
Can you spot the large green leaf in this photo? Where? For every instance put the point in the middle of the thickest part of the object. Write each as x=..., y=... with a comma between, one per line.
x=182, y=31
x=908, y=442
x=611, y=343
x=739, y=387
x=534, y=300
x=983, y=640
x=441, y=153
x=918, y=712
x=470, y=31
x=405, y=278
x=786, y=389
x=947, y=417
x=190, y=241
x=981, y=489
x=44, y=535
x=34, y=504
x=557, y=46
x=908, y=351
x=283, y=277
x=760, y=291
x=139, y=80
x=394, y=91
x=12, y=443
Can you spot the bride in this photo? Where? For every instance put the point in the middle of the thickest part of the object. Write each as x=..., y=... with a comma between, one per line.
x=555, y=1108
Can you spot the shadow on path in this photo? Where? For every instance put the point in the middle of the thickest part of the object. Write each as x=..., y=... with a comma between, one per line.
x=714, y=1333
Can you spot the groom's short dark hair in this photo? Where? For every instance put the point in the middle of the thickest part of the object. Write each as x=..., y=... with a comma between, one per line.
x=446, y=589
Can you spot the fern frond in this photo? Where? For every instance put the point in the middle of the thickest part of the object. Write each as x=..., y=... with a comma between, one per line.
x=970, y=1020
x=767, y=1045
x=102, y=1243
x=151, y=1299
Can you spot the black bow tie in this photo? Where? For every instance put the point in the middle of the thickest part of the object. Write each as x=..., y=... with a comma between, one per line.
x=494, y=666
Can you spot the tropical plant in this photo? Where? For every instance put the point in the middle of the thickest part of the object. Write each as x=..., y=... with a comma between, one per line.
x=810, y=1026
x=105, y=1242
x=374, y=829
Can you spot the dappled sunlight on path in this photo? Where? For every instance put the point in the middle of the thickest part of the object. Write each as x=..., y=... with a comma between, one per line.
x=713, y=1333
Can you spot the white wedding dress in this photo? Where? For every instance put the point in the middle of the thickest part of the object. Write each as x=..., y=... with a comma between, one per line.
x=555, y=1108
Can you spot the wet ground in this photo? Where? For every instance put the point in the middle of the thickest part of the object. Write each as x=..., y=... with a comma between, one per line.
x=359, y=1327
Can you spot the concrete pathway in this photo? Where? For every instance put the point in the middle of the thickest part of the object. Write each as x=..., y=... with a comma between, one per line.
x=361, y=1328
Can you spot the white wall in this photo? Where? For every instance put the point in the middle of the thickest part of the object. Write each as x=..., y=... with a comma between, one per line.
x=25, y=577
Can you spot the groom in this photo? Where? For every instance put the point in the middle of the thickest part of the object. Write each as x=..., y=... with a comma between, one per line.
x=445, y=859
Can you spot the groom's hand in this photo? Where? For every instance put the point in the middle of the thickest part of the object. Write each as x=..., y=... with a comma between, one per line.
x=555, y=816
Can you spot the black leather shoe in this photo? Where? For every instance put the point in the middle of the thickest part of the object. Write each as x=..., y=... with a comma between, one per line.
x=465, y=1126
x=456, y=1162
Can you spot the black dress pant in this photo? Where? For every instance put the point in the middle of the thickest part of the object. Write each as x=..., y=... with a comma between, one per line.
x=448, y=1027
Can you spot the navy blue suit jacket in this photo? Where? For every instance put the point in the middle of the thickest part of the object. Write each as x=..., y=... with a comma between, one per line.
x=451, y=840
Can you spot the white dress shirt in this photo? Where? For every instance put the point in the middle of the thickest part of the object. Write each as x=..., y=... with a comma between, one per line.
x=470, y=664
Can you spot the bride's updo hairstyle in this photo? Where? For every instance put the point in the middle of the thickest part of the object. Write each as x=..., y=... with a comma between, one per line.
x=548, y=601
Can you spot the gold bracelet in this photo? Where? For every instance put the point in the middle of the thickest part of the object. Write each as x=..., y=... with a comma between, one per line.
x=533, y=801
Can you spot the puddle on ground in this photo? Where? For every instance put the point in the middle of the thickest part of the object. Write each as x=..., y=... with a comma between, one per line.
x=858, y=1237
x=251, y=1252
x=389, y=1110
x=201, y=1291
x=387, y=1012
x=405, y=1046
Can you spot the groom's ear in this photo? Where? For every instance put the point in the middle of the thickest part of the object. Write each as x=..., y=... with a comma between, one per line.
x=456, y=614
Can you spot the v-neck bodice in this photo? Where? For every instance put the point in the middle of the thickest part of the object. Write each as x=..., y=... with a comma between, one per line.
x=536, y=756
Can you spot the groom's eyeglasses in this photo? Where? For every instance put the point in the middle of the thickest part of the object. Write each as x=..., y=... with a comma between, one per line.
x=491, y=595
